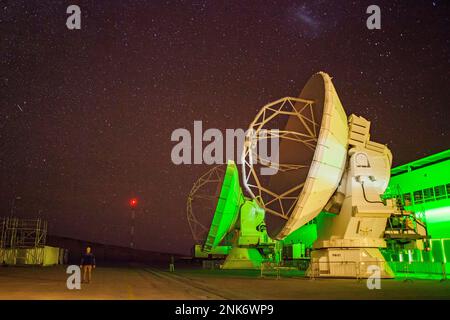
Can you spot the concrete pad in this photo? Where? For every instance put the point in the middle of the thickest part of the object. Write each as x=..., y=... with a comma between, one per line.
x=149, y=283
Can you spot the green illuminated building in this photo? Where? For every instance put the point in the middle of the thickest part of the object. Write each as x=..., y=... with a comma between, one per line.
x=423, y=187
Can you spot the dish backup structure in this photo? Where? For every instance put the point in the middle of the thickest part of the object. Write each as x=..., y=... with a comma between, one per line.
x=327, y=165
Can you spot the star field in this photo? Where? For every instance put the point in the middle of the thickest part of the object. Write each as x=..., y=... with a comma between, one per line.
x=86, y=115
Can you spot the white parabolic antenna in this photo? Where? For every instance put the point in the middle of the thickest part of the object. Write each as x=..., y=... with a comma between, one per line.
x=326, y=162
x=312, y=155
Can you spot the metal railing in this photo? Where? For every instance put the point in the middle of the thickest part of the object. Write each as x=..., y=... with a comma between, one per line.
x=421, y=269
x=348, y=269
x=274, y=269
x=22, y=240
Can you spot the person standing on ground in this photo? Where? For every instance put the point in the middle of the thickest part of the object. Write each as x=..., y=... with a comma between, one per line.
x=87, y=264
x=172, y=264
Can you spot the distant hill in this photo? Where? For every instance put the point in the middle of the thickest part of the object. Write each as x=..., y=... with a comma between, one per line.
x=108, y=254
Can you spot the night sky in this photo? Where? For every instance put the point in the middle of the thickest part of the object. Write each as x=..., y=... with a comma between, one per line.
x=86, y=115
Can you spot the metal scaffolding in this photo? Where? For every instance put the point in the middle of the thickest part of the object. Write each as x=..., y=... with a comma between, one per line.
x=22, y=241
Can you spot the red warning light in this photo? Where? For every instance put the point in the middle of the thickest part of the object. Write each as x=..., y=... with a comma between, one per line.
x=133, y=202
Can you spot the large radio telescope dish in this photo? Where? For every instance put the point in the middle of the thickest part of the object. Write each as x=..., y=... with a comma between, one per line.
x=312, y=155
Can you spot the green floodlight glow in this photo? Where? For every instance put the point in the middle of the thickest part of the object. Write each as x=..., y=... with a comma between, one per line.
x=227, y=209
x=438, y=215
x=423, y=186
x=306, y=235
x=438, y=222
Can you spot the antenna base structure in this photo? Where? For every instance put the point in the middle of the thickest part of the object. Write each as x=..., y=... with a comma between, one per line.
x=351, y=231
x=251, y=244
